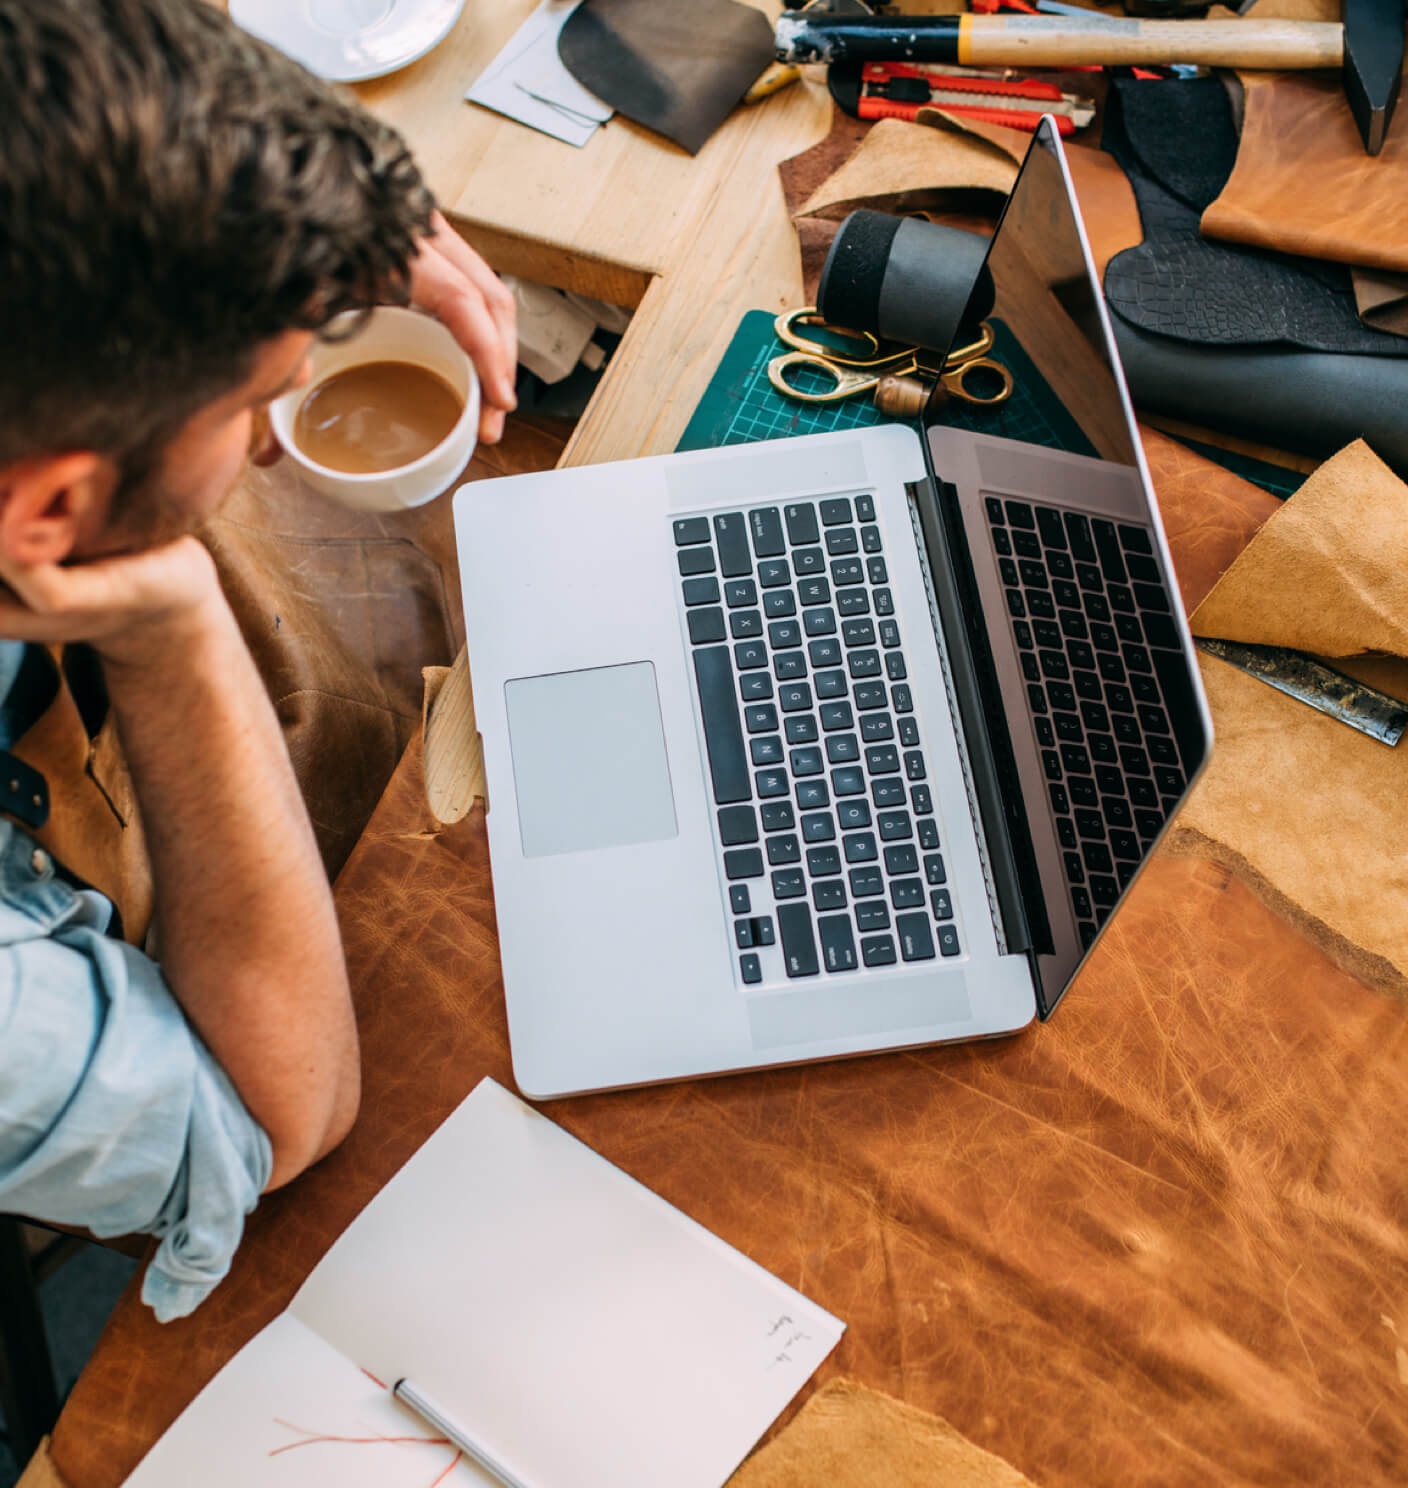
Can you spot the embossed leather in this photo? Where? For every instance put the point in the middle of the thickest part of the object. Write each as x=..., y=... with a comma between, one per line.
x=1160, y=1239
x=1179, y=284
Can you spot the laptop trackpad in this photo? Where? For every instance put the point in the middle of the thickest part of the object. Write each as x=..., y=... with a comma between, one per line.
x=589, y=764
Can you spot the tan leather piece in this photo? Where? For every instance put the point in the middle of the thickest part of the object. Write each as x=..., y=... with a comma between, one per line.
x=849, y=1437
x=41, y=1472
x=94, y=828
x=1382, y=300
x=1303, y=183
x=1308, y=811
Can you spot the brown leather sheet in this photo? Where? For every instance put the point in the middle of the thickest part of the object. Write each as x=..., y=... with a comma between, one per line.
x=1163, y=1239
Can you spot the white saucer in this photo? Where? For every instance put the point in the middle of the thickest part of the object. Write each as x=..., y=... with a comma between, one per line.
x=347, y=41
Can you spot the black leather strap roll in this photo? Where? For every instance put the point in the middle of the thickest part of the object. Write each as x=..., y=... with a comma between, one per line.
x=903, y=278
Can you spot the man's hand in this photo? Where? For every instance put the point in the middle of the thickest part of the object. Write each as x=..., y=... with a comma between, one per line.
x=452, y=282
x=125, y=607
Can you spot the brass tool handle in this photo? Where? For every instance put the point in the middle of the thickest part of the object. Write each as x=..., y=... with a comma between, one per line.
x=1112, y=41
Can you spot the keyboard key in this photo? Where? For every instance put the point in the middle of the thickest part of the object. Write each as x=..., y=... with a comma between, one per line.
x=878, y=950
x=743, y=862
x=884, y=601
x=761, y=718
x=739, y=592
x=842, y=749
x=913, y=932
x=771, y=783
x=723, y=731
x=801, y=729
x=792, y=697
x=773, y=573
x=928, y=833
x=865, y=508
x=914, y=765
x=690, y=530
x=749, y=655
x=744, y=625
x=784, y=633
x=909, y=733
x=830, y=893
x=870, y=540
x=871, y=695
x=784, y=848
x=1048, y=522
x=813, y=591
x=794, y=922
x=876, y=728
x=788, y=883
x=836, y=716
x=894, y=826
x=765, y=524
x=848, y=781
x=895, y=667
x=872, y=914
x=819, y=622
x=882, y=759
x=853, y=814
x=778, y=604
x=858, y=632
x=902, y=698
x=941, y=902
x=754, y=687
x=823, y=862
x=860, y=847
x=811, y=794
x=887, y=792
x=819, y=827
x=824, y=653
x=739, y=900
x=789, y=666
x=1019, y=514
x=801, y=523
x=866, y=882
x=743, y=934
x=809, y=561
x=836, y=511
x=701, y=591
x=906, y=893
x=838, y=945
x=948, y=940
x=731, y=534
x=846, y=571
x=766, y=750
x=1078, y=530
x=806, y=761
x=922, y=800
x=830, y=684
x=889, y=634
x=842, y=541
x=853, y=602
x=777, y=816
x=934, y=871
x=900, y=860
x=696, y=561
x=737, y=824
x=750, y=969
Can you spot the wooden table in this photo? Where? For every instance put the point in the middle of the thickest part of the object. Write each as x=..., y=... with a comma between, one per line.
x=1160, y=1239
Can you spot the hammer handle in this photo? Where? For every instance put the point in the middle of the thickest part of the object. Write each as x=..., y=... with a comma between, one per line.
x=1060, y=41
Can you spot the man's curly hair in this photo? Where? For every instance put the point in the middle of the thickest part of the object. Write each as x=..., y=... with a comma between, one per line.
x=173, y=192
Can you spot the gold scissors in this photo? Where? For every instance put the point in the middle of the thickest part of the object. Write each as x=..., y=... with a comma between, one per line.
x=852, y=362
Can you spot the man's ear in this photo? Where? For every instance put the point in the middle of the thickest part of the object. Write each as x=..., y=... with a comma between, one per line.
x=49, y=502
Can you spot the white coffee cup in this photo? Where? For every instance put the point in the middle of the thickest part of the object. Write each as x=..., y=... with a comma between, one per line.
x=389, y=334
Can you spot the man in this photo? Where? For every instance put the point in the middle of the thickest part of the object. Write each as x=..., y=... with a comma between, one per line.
x=181, y=211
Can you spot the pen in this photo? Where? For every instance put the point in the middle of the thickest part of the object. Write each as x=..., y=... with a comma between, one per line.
x=409, y=1395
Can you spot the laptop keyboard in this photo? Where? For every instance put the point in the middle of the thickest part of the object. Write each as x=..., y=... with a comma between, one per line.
x=1102, y=658
x=825, y=817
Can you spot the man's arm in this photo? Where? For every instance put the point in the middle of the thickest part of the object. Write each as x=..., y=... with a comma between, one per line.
x=248, y=940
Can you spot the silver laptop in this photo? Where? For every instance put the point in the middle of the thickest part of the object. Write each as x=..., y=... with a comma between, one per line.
x=835, y=744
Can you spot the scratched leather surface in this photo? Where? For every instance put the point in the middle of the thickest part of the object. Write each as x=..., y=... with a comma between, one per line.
x=1163, y=1239
x=1302, y=182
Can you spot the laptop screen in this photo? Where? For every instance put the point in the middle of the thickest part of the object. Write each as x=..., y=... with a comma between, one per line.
x=1085, y=696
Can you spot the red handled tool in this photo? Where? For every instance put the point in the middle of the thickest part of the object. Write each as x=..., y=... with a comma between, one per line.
x=898, y=90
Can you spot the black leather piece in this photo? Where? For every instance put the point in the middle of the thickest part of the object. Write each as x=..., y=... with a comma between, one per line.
x=1181, y=285
x=24, y=793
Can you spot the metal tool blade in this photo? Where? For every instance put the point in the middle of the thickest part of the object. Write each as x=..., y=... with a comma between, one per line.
x=1309, y=681
x=1373, y=65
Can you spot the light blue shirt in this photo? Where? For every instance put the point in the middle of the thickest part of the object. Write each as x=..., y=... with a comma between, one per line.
x=114, y=1116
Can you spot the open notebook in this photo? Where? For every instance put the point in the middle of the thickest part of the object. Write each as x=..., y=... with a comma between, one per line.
x=573, y=1323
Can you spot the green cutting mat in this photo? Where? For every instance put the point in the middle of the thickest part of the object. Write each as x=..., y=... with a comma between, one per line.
x=740, y=405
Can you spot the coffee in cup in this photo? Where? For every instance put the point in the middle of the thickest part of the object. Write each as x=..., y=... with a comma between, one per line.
x=390, y=415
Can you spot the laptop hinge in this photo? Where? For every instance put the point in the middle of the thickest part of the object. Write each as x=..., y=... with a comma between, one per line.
x=983, y=734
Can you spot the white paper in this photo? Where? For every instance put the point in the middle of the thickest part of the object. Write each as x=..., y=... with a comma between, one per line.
x=528, y=82
x=581, y=1329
